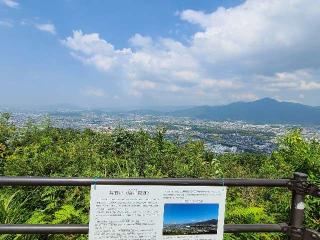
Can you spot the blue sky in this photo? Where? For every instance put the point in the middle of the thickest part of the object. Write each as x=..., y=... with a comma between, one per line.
x=187, y=213
x=161, y=52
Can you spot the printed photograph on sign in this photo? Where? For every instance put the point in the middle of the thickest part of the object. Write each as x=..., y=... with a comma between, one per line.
x=190, y=218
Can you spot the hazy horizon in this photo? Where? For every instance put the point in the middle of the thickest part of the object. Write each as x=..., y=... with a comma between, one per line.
x=71, y=107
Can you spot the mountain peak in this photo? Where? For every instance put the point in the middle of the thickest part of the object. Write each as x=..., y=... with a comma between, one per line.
x=267, y=100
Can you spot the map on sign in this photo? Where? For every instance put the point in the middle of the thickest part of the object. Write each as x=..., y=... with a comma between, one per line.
x=121, y=212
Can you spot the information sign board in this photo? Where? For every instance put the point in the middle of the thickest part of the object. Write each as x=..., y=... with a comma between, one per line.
x=145, y=212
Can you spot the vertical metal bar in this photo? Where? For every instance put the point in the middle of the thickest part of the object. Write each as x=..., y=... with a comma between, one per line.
x=297, y=206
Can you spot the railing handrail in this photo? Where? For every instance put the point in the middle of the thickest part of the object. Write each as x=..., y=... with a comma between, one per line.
x=78, y=181
x=299, y=186
x=84, y=228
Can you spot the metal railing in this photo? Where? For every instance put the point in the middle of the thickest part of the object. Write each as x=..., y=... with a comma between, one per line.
x=298, y=185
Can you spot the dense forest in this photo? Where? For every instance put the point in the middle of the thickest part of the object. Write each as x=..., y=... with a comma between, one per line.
x=43, y=150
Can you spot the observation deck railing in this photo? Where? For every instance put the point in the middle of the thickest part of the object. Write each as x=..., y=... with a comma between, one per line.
x=298, y=185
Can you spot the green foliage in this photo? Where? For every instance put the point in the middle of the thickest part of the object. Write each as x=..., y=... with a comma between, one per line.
x=296, y=154
x=10, y=208
x=42, y=150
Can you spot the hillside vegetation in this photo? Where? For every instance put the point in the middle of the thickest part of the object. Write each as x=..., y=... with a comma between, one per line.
x=42, y=150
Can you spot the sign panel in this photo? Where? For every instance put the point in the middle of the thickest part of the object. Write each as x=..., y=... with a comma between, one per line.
x=144, y=212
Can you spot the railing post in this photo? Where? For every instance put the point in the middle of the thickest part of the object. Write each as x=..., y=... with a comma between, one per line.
x=297, y=205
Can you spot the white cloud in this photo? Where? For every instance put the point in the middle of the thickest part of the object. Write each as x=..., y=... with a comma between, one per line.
x=5, y=23
x=196, y=17
x=309, y=85
x=142, y=85
x=245, y=97
x=259, y=45
x=93, y=50
x=252, y=33
x=219, y=84
x=94, y=92
x=11, y=3
x=175, y=88
x=140, y=41
x=47, y=27
x=302, y=79
x=186, y=75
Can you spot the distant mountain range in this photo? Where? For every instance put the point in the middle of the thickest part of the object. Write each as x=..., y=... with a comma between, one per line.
x=261, y=111
x=207, y=222
x=265, y=110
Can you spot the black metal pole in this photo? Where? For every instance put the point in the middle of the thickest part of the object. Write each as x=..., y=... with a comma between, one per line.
x=297, y=206
x=56, y=181
x=83, y=228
